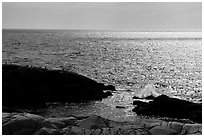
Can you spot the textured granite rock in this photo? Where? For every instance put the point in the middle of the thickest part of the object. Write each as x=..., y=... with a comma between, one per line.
x=93, y=122
x=191, y=129
x=30, y=124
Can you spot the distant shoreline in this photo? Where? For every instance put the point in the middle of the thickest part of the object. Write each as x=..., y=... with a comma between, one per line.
x=119, y=30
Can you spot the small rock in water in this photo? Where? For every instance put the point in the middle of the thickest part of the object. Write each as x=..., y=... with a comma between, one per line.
x=159, y=84
x=148, y=97
x=108, y=93
x=120, y=107
x=110, y=87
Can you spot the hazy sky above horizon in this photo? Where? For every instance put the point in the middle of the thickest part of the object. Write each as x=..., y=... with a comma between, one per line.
x=105, y=15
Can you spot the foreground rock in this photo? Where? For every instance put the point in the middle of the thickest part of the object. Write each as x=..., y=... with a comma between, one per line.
x=170, y=107
x=36, y=86
x=29, y=124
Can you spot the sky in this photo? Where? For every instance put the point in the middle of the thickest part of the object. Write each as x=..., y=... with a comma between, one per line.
x=102, y=15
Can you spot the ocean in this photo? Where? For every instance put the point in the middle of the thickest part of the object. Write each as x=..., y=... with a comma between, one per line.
x=129, y=60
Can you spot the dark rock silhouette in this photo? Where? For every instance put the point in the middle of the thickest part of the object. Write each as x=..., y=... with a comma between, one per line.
x=107, y=93
x=161, y=84
x=148, y=97
x=170, y=107
x=32, y=86
x=138, y=103
x=110, y=87
x=120, y=107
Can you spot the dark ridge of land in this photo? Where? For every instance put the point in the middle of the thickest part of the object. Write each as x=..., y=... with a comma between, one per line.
x=34, y=87
x=165, y=106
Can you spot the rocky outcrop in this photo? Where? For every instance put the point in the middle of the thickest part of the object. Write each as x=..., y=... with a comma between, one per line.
x=30, y=124
x=169, y=107
x=31, y=86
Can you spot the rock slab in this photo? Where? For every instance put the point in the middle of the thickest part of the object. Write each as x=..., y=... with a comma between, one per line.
x=30, y=124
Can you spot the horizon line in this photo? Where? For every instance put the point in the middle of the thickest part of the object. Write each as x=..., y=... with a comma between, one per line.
x=199, y=30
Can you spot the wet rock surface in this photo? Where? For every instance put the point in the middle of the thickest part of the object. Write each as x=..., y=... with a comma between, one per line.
x=29, y=124
x=165, y=106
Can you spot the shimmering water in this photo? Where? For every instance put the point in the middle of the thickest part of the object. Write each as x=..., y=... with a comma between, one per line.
x=128, y=60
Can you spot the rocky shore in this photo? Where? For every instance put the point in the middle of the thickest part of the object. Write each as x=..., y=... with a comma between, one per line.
x=31, y=88
x=30, y=124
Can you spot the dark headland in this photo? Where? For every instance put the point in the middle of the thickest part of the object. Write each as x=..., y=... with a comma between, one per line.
x=33, y=87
